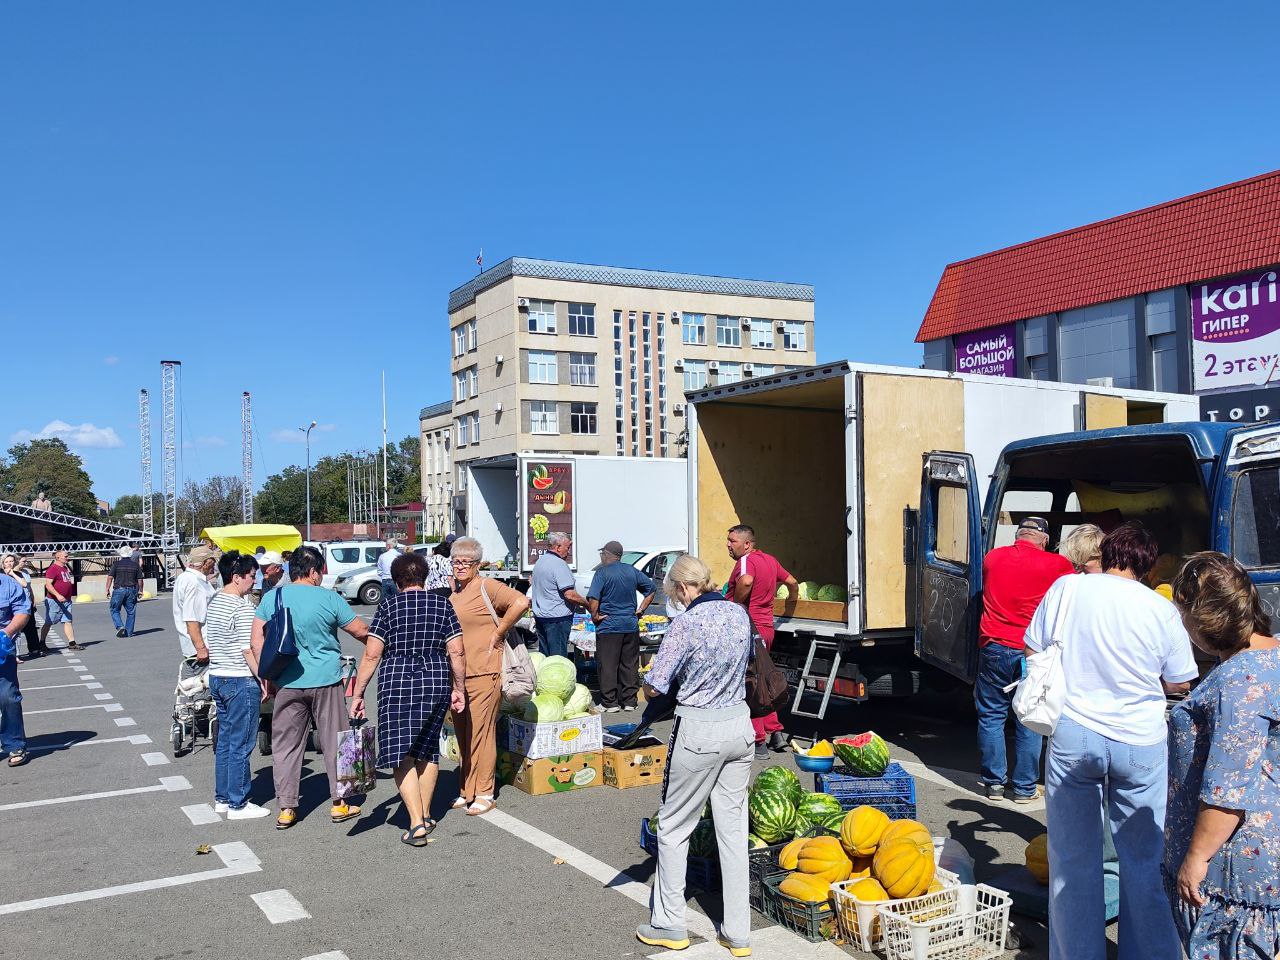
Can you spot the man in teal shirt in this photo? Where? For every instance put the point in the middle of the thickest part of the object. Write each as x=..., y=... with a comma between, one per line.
x=310, y=688
x=612, y=601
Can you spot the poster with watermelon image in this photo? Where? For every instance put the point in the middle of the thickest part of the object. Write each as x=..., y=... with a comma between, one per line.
x=548, y=505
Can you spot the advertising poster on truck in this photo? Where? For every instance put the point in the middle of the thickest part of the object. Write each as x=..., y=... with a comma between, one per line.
x=1235, y=331
x=548, y=505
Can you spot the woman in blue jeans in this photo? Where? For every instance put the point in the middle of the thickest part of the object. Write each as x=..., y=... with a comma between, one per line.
x=1123, y=647
x=228, y=627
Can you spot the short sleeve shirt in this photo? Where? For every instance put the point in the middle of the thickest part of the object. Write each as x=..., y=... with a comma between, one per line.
x=766, y=573
x=192, y=592
x=477, y=623
x=13, y=601
x=125, y=573
x=1014, y=581
x=318, y=614
x=550, y=576
x=61, y=580
x=614, y=586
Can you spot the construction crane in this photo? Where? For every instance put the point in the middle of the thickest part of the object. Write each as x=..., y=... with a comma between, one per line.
x=168, y=372
x=144, y=429
x=246, y=457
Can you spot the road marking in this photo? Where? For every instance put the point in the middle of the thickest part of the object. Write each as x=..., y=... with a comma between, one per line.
x=109, y=707
x=280, y=906
x=112, y=707
x=73, y=659
x=956, y=780
x=201, y=813
x=769, y=943
x=63, y=686
x=236, y=857
x=137, y=739
x=166, y=784
x=154, y=759
x=103, y=696
x=40, y=669
x=595, y=869
x=87, y=676
x=126, y=722
x=331, y=955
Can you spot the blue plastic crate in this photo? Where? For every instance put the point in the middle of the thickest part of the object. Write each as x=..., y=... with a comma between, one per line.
x=893, y=792
x=700, y=872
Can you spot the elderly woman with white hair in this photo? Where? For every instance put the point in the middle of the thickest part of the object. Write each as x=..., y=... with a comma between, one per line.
x=1083, y=547
x=487, y=610
x=122, y=587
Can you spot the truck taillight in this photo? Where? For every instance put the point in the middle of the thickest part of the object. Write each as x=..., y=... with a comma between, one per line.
x=853, y=689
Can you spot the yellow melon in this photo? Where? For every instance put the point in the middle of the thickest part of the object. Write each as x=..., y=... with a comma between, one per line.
x=1038, y=858
x=861, y=868
x=904, y=867
x=824, y=857
x=790, y=854
x=805, y=888
x=861, y=830
x=897, y=829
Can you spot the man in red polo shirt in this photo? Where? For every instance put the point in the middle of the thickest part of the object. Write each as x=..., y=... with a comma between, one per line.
x=1014, y=581
x=754, y=584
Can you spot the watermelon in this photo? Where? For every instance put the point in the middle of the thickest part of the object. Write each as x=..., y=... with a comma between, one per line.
x=867, y=755
x=779, y=780
x=832, y=821
x=816, y=808
x=755, y=843
x=772, y=816
x=653, y=824
x=703, y=841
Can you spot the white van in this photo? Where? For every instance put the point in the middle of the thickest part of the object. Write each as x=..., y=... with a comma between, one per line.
x=343, y=556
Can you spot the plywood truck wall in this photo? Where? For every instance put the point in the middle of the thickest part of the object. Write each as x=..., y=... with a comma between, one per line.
x=781, y=471
x=900, y=417
x=1101, y=412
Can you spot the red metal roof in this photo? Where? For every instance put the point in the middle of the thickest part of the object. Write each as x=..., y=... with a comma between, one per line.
x=1222, y=231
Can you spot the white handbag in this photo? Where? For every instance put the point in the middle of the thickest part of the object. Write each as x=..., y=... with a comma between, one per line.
x=1042, y=691
x=519, y=678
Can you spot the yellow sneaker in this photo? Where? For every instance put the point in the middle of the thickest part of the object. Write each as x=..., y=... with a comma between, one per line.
x=343, y=811
x=671, y=939
x=733, y=951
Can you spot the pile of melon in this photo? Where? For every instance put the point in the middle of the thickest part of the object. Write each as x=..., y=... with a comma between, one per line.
x=780, y=808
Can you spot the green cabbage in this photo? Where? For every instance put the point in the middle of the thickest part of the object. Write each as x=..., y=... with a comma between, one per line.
x=537, y=659
x=831, y=592
x=809, y=590
x=575, y=716
x=579, y=701
x=782, y=592
x=557, y=676
x=544, y=708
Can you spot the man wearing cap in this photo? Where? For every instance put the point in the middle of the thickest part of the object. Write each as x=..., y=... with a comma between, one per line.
x=192, y=592
x=122, y=589
x=612, y=602
x=270, y=571
x=1014, y=581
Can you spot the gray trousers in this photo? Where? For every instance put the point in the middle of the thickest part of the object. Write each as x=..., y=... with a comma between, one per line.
x=291, y=722
x=709, y=757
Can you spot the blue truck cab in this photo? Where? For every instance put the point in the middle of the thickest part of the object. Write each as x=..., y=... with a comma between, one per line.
x=1197, y=486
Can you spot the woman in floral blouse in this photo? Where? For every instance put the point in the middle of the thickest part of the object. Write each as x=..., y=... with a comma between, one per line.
x=1222, y=829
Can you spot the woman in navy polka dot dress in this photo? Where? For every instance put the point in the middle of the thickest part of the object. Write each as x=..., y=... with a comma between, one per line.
x=415, y=644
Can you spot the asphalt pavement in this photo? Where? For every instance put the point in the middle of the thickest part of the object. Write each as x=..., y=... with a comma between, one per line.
x=103, y=832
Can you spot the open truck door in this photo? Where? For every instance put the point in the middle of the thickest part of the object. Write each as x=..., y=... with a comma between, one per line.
x=1246, y=515
x=948, y=561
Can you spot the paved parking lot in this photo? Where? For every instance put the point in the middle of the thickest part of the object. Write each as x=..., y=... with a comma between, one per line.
x=102, y=831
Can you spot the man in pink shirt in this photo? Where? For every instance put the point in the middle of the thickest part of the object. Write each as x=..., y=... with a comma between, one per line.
x=754, y=584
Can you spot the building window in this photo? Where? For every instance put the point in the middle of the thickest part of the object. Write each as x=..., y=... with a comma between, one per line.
x=542, y=316
x=473, y=381
x=464, y=431
x=634, y=382
x=730, y=372
x=542, y=366
x=693, y=328
x=471, y=335
x=582, y=369
x=475, y=428
x=761, y=333
x=662, y=383
x=582, y=418
x=728, y=332
x=1164, y=363
x=460, y=386
x=460, y=339
x=695, y=374
x=793, y=337
x=1035, y=345
x=763, y=370
x=1097, y=343
x=544, y=417
x=936, y=353
x=582, y=319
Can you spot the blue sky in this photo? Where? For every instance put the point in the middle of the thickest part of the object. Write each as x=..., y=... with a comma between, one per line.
x=282, y=194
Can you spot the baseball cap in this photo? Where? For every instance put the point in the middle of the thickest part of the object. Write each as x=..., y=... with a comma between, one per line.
x=1039, y=524
x=449, y=538
x=269, y=558
x=201, y=555
x=613, y=547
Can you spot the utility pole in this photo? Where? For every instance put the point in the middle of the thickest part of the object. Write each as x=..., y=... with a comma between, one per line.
x=246, y=457
x=169, y=540
x=385, y=502
x=144, y=429
x=307, y=432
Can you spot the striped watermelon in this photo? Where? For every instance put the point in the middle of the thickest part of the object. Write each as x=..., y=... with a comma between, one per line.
x=755, y=843
x=703, y=841
x=816, y=808
x=772, y=815
x=867, y=755
x=780, y=780
x=832, y=821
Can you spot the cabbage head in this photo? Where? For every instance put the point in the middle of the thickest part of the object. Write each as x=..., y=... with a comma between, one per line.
x=557, y=676
x=544, y=708
x=809, y=590
x=537, y=659
x=782, y=592
x=831, y=592
x=576, y=716
x=579, y=701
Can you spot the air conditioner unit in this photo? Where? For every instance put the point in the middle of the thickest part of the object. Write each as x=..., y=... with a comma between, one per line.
x=1102, y=381
x=677, y=408
x=499, y=360
x=675, y=316
x=748, y=370
x=497, y=407
x=679, y=364
x=714, y=366
x=782, y=326
x=746, y=323
x=522, y=303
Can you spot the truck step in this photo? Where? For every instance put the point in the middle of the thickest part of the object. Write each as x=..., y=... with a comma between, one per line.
x=825, y=645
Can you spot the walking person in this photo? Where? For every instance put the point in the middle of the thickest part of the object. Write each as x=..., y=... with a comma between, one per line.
x=415, y=644
x=310, y=687
x=704, y=658
x=612, y=602
x=1123, y=647
x=385, y=559
x=21, y=571
x=1014, y=581
x=440, y=567
x=122, y=587
x=486, y=610
x=59, y=594
x=551, y=589
x=15, y=610
x=228, y=631
x=192, y=591
x=1222, y=829
x=754, y=583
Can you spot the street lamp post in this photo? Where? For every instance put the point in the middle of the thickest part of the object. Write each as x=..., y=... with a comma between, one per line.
x=307, y=433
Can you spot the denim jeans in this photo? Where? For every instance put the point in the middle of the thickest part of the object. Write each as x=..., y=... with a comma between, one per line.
x=389, y=589
x=126, y=597
x=13, y=736
x=999, y=666
x=553, y=635
x=237, y=699
x=1085, y=774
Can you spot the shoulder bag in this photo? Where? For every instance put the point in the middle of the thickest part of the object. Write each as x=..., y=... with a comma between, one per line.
x=767, y=687
x=279, y=648
x=1042, y=691
x=518, y=676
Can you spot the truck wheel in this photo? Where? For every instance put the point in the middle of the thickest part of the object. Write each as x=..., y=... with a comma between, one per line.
x=371, y=594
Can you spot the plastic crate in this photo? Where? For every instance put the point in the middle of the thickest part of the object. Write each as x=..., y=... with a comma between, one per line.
x=969, y=922
x=700, y=872
x=761, y=862
x=858, y=919
x=894, y=793
x=813, y=921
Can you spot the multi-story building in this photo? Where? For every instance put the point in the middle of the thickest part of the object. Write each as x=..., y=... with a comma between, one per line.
x=435, y=443
x=561, y=357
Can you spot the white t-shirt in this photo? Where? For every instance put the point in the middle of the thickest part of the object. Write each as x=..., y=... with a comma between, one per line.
x=385, y=559
x=192, y=592
x=227, y=632
x=1119, y=639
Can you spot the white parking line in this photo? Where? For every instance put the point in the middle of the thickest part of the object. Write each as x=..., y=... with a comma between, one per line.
x=137, y=739
x=126, y=722
x=40, y=669
x=166, y=784
x=280, y=906
x=236, y=857
x=103, y=696
x=154, y=759
x=63, y=686
x=87, y=676
x=109, y=707
x=112, y=707
x=73, y=659
x=201, y=813
x=331, y=955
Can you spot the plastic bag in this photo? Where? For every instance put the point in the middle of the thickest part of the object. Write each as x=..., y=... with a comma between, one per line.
x=357, y=761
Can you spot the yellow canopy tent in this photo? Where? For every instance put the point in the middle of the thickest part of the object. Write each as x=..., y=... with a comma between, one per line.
x=247, y=537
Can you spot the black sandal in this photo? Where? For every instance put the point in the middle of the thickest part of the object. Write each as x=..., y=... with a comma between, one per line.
x=417, y=836
x=18, y=758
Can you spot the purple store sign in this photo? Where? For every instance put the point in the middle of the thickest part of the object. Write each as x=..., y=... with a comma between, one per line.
x=1235, y=331
x=989, y=351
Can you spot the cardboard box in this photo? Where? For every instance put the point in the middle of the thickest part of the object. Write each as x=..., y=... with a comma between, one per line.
x=560, y=774
x=642, y=766
x=539, y=740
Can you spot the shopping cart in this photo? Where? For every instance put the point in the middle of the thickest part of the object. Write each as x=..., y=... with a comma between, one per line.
x=195, y=716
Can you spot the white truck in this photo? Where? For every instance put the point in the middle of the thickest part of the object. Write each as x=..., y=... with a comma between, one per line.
x=826, y=464
x=514, y=502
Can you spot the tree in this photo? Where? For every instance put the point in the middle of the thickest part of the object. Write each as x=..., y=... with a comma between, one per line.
x=127, y=511
x=213, y=503
x=50, y=467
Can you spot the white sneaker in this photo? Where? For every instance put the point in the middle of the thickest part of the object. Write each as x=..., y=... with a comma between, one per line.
x=628, y=709
x=250, y=811
x=220, y=808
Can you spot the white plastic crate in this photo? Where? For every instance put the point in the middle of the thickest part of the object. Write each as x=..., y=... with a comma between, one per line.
x=968, y=922
x=857, y=918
